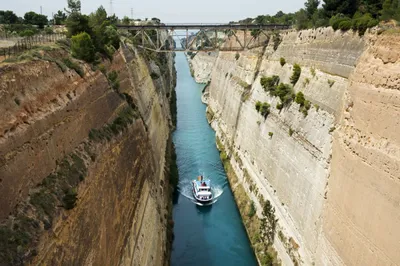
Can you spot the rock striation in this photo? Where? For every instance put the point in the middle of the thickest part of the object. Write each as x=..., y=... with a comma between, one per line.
x=331, y=174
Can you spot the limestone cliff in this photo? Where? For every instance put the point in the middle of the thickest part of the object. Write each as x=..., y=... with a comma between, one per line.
x=332, y=172
x=83, y=158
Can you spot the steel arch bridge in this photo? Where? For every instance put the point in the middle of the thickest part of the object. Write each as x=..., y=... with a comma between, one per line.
x=208, y=37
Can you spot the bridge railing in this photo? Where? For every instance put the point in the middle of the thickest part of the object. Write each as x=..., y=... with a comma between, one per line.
x=215, y=26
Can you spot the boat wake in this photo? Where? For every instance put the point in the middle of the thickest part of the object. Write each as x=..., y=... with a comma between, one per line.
x=185, y=189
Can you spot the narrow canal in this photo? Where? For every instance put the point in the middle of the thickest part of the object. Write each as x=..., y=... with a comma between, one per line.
x=204, y=235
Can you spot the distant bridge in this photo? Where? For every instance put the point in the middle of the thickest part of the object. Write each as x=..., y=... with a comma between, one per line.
x=208, y=37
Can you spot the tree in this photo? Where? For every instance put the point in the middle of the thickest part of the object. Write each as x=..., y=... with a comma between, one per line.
x=77, y=23
x=311, y=6
x=82, y=47
x=35, y=19
x=126, y=20
x=346, y=7
x=8, y=17
x=74, y=6
x=268, y=223
x=302, y=20
x=60, y=18
x=296, y=74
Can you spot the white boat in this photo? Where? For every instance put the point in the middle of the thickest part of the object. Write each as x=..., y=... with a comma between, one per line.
x=202, y=190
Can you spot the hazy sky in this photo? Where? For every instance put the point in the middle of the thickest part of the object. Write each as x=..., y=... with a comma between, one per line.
x=166, y=10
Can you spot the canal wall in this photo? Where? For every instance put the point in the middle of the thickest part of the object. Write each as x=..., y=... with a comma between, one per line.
x=84, y=158
x=330, y=170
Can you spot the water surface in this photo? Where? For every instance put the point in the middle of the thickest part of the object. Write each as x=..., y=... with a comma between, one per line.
x=204, y=235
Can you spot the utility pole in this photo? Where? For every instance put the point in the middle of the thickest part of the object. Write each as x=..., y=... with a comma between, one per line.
x=111, y=8
x=132, y=13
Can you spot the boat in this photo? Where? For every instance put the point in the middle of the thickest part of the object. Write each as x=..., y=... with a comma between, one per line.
x=202, y=190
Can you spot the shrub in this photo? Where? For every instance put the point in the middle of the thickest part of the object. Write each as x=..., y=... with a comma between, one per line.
x=154, y=75
x=300, y=98
x=285, y=93
x=332, y=129
x=75, y=66
x=270, y=134
x=307, y=105
x=279, y=106
x=313, y=72
x=316, y=106
x=331, y=82
x=82, y=47
x=277, y=40
x=296, y=74
x=26, y=33
x=252, y=210
x=237, y=56
x=113, y=79
x=263, y=108
x=282, y=61
x=335, y=21
x=345, y=25
x=269, y=83
x=291, y=131
x=69, y=199
x=363, y=23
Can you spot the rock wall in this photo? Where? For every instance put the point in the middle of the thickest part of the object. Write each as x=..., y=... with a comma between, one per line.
x=293, y=161
x=121, y=215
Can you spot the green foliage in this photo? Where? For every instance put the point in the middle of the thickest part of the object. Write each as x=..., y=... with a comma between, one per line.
x=296, y=74
x=126, y=20
x=263, y=108
x=316, y=106
x=154, y=75
x=300, y=98
x=331, y=82
x=291, y=131
x=279, y=106
x=252, y=210
x=332, y=129
x=77, y=23
x=35, y=19
x=268, y=223
x=27, y=33
x=60, y=17
x=362, y=23
x=74, y=6
x=75, y=66
x=125, y=118
x=311, y=6
x=270, y=83
x=113, y=80
x=390, y=10
x=270, y=134
x=8, y=17
x=282, y=61
x=277, y=40
x=82, y=47
x=69, y=199
x=313, y=73
x=237, y=56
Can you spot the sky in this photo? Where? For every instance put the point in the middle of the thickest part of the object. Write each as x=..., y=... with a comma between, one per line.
x=169, y=11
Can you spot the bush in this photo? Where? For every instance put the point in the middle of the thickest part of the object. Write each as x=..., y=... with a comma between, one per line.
x=282, y=61
x=363, y=23
x=335, y=21
x=270, y=83
x=113, y=80
x=252, y=210
x=300, y=98
x=291, y=131
x=75, y=66
x=82, y=47
x=345, y=25
x=296, y=74
x=285, y=93
x=331, y=82
x=69, y=199
x=154, y=75
x=27, y=33
x=277, y=40
x=270, y=134
x=263, y=108
x=237, y=56
x=279, y=106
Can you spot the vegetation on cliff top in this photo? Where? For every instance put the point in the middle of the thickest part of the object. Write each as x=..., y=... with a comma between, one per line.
x=348, y=14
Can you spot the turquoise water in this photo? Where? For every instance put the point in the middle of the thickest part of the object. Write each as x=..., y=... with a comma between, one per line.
x=204, y=235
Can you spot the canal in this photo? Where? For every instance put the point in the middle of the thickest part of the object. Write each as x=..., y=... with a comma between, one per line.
x=204, y=235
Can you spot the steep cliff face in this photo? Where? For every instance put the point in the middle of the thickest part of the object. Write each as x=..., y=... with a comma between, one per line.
x=287, y=158
x=83, y=160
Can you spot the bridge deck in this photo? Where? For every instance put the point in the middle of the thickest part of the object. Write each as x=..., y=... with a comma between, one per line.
x=205, y=26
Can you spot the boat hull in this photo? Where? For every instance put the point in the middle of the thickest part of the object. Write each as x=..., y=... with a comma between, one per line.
x=202, y=199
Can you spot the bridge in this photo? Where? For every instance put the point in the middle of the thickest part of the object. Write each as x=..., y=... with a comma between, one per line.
x=201, y=37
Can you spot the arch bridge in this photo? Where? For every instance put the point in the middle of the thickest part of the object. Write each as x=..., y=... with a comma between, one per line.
x=201, y=37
